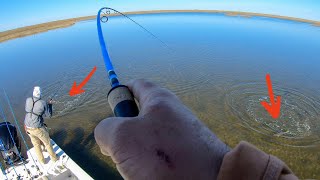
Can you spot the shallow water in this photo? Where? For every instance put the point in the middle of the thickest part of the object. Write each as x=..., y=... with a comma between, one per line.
x=216, y=64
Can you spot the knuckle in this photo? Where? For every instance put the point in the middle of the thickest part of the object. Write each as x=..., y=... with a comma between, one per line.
x=145, y=83
x=162, y=94
x=158, y=104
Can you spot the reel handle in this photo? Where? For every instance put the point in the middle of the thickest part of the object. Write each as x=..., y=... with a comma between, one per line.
x=122, y=103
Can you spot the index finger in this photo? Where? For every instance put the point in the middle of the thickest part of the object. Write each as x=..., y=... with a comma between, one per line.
x=145, y=91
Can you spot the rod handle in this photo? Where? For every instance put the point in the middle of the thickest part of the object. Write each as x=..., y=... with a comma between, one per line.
x=122, y=103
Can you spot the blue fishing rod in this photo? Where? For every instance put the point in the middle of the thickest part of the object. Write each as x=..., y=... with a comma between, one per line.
x=120, y=98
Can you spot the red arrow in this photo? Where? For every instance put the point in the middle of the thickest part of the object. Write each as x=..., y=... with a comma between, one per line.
x=78, y=89
x=274, y=107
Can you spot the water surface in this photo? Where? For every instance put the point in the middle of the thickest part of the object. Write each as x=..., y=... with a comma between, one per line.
x=216, y=64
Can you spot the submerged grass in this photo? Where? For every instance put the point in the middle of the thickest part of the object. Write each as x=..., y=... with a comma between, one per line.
x=303, y=161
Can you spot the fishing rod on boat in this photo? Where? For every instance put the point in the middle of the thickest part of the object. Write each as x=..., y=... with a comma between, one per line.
x=10, y=150
x=20, y=132
x=120, y=98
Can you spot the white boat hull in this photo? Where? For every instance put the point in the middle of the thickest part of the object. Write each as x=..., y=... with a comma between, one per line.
x=64, y=168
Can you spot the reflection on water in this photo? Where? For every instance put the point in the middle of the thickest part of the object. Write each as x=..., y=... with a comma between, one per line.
x=215, y=64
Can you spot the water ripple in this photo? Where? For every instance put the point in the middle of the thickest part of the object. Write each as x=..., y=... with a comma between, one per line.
x=299, y=121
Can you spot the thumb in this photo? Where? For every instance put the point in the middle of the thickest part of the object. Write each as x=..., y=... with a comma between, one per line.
x=106, y=132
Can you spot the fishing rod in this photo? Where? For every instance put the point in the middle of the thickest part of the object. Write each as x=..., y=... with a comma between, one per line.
x=13, y=141
x=120, y=98
x=105, y=19
x=20, y=132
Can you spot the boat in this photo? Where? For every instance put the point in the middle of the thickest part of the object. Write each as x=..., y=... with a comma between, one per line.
x=63, y=169
x=16, y=167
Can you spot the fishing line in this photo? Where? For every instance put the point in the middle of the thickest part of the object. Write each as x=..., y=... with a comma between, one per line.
x=62, y=86
x=18, y=126
x=52, y=96
x=105, y=19
x=120, y=98
x=11, y=136
x=19, y=153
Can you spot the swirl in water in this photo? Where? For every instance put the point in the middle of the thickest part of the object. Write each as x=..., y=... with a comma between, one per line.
x=299, y=121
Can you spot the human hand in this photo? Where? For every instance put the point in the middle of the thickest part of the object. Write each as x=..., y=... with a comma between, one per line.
x=165, y=141
x=50, y=101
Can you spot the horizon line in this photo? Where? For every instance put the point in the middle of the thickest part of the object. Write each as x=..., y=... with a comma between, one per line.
x=51, y=25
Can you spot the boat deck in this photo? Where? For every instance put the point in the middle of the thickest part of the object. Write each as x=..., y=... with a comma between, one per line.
x=65, y=168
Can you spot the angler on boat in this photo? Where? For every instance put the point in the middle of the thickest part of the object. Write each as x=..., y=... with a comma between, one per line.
x=36, y=108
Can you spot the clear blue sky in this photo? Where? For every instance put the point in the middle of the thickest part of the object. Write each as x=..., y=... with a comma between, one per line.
x=19, y=13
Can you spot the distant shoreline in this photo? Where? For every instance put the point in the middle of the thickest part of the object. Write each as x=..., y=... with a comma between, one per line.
x=39, y=28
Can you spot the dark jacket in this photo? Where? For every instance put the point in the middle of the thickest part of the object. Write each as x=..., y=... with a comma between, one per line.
x=35, y=110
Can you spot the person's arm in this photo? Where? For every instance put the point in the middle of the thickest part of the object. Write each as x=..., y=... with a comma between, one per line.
x=166, y=141
x=247, y=162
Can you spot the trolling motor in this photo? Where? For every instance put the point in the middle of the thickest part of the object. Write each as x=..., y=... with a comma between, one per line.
x=10, y=151
x=120, y=97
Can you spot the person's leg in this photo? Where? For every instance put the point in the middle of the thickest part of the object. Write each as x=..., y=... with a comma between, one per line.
x=33, y=133
x=44, y=137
